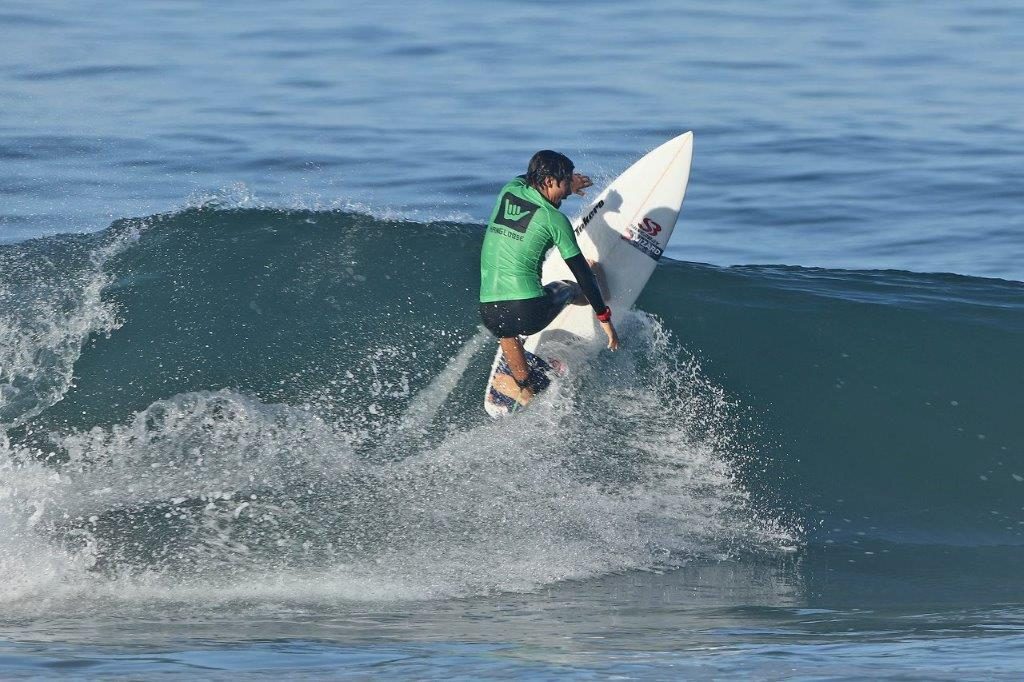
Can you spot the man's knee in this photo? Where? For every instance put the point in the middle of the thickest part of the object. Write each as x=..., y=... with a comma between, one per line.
x=564, y=292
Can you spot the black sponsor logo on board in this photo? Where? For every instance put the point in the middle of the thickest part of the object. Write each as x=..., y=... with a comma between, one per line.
x=590, y=216
x=642, y=242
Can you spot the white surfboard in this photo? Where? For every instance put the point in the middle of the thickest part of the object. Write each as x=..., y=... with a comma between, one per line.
x=625, y=229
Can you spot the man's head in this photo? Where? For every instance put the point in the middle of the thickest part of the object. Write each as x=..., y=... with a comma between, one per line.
x=550, y=173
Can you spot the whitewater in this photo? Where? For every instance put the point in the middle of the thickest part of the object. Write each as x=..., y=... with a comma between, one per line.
x=227, y=410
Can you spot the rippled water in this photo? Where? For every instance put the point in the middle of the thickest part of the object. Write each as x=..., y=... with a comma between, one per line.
x=849, y=134
x=227, y=449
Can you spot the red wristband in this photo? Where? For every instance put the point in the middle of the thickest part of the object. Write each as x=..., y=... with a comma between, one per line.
x=606, y=316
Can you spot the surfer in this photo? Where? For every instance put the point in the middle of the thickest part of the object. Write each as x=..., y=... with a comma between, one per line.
x=526, y=223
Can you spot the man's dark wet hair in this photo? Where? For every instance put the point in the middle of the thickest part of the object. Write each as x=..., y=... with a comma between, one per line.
x=548, y=164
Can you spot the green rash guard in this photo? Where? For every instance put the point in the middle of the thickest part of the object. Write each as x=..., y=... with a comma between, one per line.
x=523, y=226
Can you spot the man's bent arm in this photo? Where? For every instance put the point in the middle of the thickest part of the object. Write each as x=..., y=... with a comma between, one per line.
x=584, y=275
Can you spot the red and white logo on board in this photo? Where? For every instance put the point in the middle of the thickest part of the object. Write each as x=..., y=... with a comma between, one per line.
x=643, y=237
x=650, y=227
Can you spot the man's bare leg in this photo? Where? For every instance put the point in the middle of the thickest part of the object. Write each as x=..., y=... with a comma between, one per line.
x=515, y=356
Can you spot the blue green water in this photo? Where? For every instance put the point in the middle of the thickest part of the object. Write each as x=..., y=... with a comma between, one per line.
x=241, y=368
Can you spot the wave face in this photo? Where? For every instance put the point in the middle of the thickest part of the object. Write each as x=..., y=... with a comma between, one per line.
x=290, y=400
x=293, y=398
x=886, y=403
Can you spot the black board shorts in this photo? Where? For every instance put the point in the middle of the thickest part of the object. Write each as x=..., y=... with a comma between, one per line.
x=506, y=319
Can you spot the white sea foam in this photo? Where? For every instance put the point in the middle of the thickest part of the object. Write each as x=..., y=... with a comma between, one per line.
x=216, y=497
x=239, y=196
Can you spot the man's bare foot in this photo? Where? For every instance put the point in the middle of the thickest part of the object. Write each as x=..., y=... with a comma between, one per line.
x=506, y=385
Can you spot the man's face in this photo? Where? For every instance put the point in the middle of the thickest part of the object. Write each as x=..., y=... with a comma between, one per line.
x=559, y=190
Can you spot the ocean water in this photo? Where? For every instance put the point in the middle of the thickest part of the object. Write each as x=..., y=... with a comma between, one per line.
x=241, y=366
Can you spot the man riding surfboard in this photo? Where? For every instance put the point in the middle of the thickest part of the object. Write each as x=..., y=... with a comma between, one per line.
x=526, y=223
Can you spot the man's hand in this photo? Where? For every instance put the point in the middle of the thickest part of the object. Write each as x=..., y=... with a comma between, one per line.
x=579, y=183
x=613, y=337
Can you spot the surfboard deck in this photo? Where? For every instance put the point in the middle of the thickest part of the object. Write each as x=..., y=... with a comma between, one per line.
x=625, y=229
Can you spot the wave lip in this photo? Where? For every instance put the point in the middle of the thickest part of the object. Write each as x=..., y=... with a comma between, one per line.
x=51, y=303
